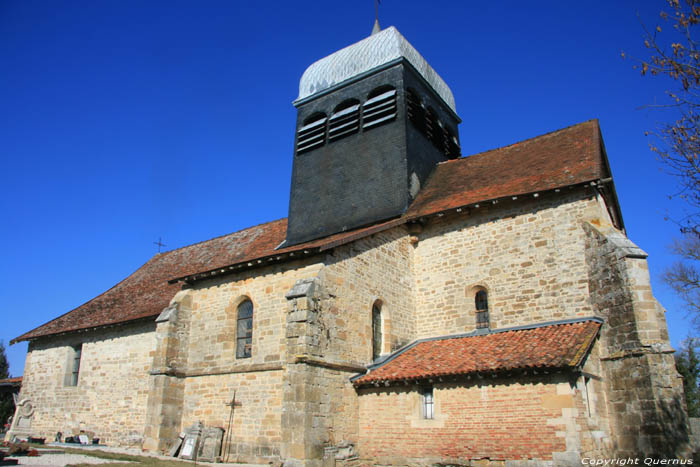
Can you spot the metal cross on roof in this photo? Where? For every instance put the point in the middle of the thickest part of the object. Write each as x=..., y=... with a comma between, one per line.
x=160, y=244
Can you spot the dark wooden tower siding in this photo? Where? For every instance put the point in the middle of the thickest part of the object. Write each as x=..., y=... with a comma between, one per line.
x=364, y=148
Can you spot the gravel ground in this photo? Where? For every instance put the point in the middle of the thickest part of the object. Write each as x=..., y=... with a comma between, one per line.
x=61, y=460
x=56, y=460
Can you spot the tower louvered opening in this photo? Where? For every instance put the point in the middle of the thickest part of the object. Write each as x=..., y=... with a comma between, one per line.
x=379, y=108
x=433, y=128
x=312, y=134
x=415, y=110
x=345, y=120
x=452, y=149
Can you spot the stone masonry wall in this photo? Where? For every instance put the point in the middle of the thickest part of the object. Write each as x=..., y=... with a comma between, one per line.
x=209, y=370
x=112, y=390
x=643, y=389
x=528, y=255
x=537, y=417
x=374, y=269
x=329, y=333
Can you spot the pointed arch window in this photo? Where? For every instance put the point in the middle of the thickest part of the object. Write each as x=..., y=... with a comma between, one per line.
x=482, y=309
x=312, y=134
x=377, y=331
x=244, y=330
x=379, y=108
x=345, y=120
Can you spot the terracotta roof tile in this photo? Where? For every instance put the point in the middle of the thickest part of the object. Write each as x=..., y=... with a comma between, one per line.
x=11, y=381
x=552, y=346
x=146, y=292
x=565, y=157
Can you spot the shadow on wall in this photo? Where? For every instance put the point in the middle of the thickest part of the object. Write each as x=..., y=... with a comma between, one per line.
x=670, y=435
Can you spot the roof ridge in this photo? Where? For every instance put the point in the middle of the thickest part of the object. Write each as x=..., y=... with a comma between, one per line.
x=549, y=133
x=219, y=236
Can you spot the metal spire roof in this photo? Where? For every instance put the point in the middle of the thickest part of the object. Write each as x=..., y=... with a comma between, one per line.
x=378, y=49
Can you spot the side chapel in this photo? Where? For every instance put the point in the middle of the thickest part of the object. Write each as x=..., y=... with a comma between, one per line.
x=417, y=306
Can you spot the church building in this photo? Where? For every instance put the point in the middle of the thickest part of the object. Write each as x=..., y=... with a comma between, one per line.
x=416, y=307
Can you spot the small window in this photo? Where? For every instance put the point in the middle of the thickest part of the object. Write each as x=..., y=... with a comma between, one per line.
x=428, y=403
x=312, y=134
x=379, y=108
x=482, y=309
x=75, y=365
x=244, y=330
x=377, y=337
x=345, y=120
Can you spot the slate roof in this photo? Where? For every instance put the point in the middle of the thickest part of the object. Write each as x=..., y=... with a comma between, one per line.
x=555, y=346
x=364, y=56
x=566, y=157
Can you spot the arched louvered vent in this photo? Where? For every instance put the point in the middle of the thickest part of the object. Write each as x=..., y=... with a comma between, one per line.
x=345, y=120
x=379, y=108
x=415, y=109
x=312, y=134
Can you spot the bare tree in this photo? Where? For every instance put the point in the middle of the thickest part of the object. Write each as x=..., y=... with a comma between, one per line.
x=674, y=54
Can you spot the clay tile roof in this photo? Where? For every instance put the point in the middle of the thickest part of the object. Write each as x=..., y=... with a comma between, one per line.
x=11, y=381
x=552, y=346
x=146, y=292
x=562, y=158
x=565, y=157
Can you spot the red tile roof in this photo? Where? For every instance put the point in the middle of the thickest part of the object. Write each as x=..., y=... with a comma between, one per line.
x=11, y=381
x=553, y=346
x=565, y=157
x=146, y=292
x=562, y=158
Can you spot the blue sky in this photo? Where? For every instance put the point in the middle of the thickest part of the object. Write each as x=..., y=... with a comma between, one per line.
x=127, y=121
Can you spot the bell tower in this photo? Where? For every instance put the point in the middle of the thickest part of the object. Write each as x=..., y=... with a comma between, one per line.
x=373, y=120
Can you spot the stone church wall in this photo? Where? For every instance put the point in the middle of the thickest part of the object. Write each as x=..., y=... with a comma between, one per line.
x=206, y=372
x=516, y=418
x=112, y=390
x=644, y=391
x=377, y=269
x=330, y=339
x=528, y=256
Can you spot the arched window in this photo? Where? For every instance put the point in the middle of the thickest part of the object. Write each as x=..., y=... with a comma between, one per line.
x=377, y=334
x=379, y=108
x=345, y=120
x=312, y=133
x=482, y=309
x=244, y=330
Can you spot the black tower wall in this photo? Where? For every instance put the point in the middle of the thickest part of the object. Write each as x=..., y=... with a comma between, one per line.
x=365, y=177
